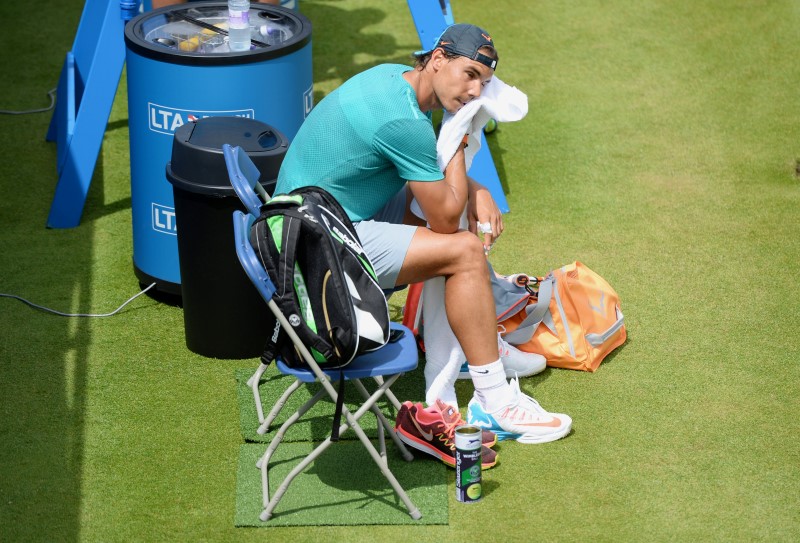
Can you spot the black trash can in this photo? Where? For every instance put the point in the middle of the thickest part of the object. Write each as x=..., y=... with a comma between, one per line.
x=223, y=314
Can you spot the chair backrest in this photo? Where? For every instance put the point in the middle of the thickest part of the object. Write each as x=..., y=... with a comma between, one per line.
x=266, y=288
x=244, y=176
x=247, y=256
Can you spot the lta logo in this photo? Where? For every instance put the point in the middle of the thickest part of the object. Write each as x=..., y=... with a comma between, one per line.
x=166, y=120
x=308, y=101
x=164, y=219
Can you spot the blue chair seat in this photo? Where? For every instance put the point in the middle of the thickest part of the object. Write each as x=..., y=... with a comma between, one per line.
x=392, y=358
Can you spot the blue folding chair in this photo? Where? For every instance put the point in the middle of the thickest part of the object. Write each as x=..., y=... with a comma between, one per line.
x=244, y=177
x=385, y=365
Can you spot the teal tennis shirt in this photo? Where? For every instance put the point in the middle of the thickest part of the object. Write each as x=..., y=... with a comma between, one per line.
x=362, y=142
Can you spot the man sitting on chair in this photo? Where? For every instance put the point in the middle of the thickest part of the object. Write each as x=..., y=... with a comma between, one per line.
x=371, y=144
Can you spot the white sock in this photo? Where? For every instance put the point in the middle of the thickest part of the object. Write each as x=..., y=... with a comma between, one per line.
x=446, y=394
x=440, y=379
x=491, y=387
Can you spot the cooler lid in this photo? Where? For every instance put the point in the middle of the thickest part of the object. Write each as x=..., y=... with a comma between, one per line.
x=198, y=34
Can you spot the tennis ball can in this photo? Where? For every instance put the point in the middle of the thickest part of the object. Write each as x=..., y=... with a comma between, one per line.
x=468, y=463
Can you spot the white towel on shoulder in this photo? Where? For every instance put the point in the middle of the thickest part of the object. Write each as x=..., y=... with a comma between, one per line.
x=443, y=353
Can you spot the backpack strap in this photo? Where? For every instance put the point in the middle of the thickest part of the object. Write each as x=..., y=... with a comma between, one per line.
x=292, y=225
x=274, y=344
x=320, y=196
x=536, y=313
x=337, y=413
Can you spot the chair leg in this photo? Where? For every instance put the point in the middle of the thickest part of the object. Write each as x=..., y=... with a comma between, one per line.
x=273, y=444
x=378, y=419
x=352, y=422
x=382, y=444
x=389, y=394
x=263, y=462
x=382, y=422
x=270, y=504
x=413, y=511
x=266, y=422
x=253, y=384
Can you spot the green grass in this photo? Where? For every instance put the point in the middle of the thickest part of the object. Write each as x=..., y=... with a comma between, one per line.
x=326, y=494
x=660, y=149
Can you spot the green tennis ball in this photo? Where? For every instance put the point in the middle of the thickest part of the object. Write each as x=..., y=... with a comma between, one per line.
x=490, y=127
x=474, y=491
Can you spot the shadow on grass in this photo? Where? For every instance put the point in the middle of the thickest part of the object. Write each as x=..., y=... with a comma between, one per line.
x=44, y=376
x=120, y=205
x=43, y=357
x=338, y=39
x=613, y=354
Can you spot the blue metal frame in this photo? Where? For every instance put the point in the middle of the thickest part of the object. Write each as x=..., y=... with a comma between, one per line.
x=86, y=90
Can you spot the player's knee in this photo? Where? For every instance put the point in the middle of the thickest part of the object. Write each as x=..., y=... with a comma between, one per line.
x=470, y=251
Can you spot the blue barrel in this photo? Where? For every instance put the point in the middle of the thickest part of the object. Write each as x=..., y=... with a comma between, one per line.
x=179, y=70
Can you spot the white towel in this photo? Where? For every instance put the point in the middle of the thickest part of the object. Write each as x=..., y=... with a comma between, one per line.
x=497, y=101
x=443, y=354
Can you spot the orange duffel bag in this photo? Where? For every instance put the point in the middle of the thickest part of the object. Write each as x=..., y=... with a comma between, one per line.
x=573, y=319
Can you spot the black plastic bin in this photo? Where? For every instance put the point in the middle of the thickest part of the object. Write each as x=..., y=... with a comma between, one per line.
x=224, y=317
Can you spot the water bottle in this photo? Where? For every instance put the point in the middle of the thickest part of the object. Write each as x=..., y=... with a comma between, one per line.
x=239, y=25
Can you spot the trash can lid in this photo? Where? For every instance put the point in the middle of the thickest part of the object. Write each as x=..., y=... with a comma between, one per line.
x=198, y=165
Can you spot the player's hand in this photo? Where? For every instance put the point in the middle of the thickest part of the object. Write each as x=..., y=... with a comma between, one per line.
x=483, y=214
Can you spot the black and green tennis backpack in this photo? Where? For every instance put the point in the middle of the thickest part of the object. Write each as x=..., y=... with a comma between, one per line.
x=325, y=284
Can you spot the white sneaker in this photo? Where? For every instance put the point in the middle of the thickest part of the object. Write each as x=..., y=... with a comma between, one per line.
x=523, y=419
x=516, y=363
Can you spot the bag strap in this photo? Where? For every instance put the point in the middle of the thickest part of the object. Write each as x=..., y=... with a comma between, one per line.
x=292, y=225
x=274, y=343
x=337, y=413
x=536, y=313
x=595, y=340
x=320, y=196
